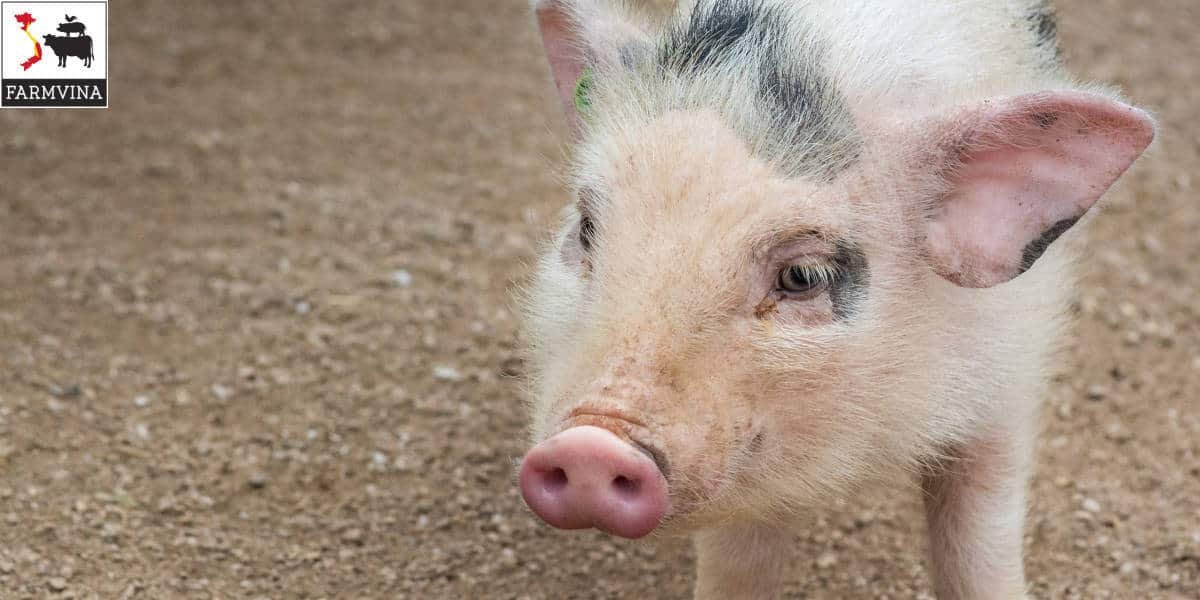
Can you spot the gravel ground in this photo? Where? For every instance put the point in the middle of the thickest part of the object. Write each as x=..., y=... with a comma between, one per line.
x=256, y=336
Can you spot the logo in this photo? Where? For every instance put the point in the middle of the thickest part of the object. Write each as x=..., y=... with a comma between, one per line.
x=53, y=54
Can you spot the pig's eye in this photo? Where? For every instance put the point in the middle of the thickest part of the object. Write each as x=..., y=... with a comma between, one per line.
x=804, y=280
x=587, y=229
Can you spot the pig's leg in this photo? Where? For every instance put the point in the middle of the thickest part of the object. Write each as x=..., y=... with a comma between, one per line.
x=741, y=562
x=975, y=506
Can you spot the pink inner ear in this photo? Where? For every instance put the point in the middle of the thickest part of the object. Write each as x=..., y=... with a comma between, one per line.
x=564, y=49
x=1033, y=166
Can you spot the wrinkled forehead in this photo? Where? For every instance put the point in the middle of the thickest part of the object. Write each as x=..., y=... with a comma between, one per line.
x=694, y=149
x=692, y=170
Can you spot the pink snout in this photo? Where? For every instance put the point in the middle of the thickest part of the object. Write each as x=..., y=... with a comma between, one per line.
x=588, y=477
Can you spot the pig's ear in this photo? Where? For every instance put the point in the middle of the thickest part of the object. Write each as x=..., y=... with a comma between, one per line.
x=583, y=35
x=1019, y=173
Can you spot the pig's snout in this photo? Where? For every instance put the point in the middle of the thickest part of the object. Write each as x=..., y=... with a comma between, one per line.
x=588, y=477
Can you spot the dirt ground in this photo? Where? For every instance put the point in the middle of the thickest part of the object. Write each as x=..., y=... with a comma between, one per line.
x=256, y=336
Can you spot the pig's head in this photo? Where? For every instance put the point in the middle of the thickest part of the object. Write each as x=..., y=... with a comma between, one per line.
x=758, y=295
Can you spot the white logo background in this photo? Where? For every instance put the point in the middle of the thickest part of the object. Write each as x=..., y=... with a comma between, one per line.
x=17, y=47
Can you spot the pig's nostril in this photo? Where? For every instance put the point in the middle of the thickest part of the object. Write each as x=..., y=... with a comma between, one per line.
x=586, y=476
x=555, y=479
x=625, y=486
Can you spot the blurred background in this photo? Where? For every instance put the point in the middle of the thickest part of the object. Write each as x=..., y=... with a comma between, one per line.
x=257, y=341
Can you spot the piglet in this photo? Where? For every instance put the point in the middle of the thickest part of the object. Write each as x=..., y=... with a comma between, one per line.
x=812, y=248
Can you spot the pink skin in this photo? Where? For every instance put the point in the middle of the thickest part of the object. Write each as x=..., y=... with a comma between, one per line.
x=588, y=477
x=1033, y=161
x=669, y=327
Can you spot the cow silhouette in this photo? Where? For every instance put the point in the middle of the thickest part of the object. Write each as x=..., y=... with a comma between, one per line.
x=64, y=46
x=72, y=26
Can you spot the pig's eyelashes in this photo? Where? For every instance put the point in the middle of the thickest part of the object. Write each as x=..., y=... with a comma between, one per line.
x=576, y=244
x=587, y=230
x=806, y=280
x=588, y=201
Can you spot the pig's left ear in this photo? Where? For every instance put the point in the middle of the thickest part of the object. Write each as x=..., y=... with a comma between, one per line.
x=1022, y=171
x=581, y=35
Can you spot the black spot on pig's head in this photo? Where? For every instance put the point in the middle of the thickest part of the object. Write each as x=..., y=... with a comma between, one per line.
x=848, y=291
x=710, y=35
x=808, y=129
x=1044, y=24
x=810, y=114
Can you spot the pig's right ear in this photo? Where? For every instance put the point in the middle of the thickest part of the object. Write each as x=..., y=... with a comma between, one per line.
x=583, y=36
x=1019, y=172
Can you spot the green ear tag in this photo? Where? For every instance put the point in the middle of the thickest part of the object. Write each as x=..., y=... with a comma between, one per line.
x=582, y=104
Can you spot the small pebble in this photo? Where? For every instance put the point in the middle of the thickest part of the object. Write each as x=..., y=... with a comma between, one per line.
x=110, y=532
x=1064, y=410
x=826, y=560
x=1090, y=505
x=401, y=278
x=1153, y=244
x=1117, y=432
x=353, y=536
x=66, y=391
x=446, y=373
x=57, y=584
x=1128, y=310
x=257, y=480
